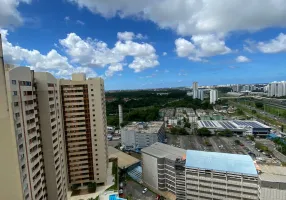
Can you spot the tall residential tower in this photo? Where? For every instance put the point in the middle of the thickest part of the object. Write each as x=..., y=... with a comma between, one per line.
x=84, y=114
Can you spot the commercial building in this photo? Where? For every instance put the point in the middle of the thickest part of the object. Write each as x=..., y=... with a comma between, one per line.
x=138, y=135
x=84, y=114
x=190, y=174
x=237, y=126
x=213, y=96
x=195, y=90
x=272, y=182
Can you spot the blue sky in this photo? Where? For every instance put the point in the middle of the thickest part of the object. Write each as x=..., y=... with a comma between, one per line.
x=142, y=44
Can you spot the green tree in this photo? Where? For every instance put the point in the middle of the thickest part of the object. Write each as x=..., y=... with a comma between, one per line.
x=253, y=112
x=187, y=124
x=225, y=133
x=259, y=105
x=91, y=187
x=204, y=132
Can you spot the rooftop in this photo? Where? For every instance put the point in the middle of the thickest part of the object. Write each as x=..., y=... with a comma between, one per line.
x=161, y=150
x=234, y=163
x=272, y=173
x=124, y=160
x=144, y=127
x=236, y=124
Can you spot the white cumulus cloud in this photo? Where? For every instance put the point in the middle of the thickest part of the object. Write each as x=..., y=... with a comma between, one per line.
x=52, y=62
x=9, y=15
x=127, y=36
x=275, y=45
x=193, y=17
x=242, y=59
x=201, y=47
x=96, y=53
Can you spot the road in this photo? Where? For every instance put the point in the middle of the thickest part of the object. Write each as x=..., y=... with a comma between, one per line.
x=134, y=190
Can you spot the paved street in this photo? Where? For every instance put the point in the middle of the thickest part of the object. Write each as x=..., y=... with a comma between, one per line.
x=134, y=190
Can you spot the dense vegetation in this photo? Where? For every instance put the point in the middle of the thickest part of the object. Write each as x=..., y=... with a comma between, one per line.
x=145, y=105
x=281, y=145
x=225, y=133
x=204, y=132
x=178, y=131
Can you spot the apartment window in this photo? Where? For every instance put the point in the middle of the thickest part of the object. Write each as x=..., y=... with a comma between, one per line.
x=92, y=105
x=14, y=93
x=18, y=125
x=91, y=89
x=94, y=120
x=17, y=115
x=14, y=82
x=93, y=110
x=93, y=115
x=16, y=104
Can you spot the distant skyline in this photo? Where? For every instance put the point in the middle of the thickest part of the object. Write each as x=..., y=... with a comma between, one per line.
x=148, y=44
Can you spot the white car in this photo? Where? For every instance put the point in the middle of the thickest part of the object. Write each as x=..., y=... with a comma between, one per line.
x=144, y=191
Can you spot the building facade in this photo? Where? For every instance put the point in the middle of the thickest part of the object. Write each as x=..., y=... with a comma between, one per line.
x=213, y=96
x=196, y=175
x=26, y=132
x=276, y=89
x=52, y=135
x=84, y=114
x=138, y=135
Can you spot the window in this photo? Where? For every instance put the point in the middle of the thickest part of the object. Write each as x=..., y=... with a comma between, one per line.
x=16, y=104
x=93, y=110
x=14, y=93
x=92, y=95
x=17, y=115
x=14, y=82
x=91, y=89
x=18, y=125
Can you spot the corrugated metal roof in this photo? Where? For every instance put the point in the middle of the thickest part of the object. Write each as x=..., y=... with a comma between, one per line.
x=161, y=150
x=234, y=163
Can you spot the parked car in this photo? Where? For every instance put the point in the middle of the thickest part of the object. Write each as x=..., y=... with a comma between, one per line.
x=144, y=190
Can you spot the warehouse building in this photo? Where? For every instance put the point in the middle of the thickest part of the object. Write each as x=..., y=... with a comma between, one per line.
x=237, y=126
x=194, y=175
x=138, y=135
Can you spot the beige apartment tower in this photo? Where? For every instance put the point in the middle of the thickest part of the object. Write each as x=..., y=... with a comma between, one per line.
x=52, y=135
x=84, y=114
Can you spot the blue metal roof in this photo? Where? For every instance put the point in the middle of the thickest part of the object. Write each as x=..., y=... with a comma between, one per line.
x=234, y=163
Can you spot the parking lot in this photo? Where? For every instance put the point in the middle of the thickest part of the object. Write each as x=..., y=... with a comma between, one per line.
x=213, y=144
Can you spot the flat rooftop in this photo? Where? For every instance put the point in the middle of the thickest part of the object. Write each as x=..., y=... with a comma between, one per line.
x=161, y=150
x=225, y=162
x=124, y=160
x=228, y=124
x=144, y=127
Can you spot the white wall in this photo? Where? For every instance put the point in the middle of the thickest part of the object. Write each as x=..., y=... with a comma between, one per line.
x=150, y=171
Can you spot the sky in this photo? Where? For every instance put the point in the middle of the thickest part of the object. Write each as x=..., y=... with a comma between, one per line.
x=137, y=44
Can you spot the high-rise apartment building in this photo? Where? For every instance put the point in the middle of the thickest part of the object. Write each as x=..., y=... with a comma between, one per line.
x=213, y=96
x=25, y=136
x=84, y=114
x=52, y=135
x=276, y=89
x=195, y=86
x=195, y=90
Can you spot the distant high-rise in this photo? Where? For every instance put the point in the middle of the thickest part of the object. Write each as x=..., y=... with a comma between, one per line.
x=120, y=113
x=213, y=96
x=195, y=90
x=84, y=115
x=195, y=86
x=201, y=94
x=277, y=89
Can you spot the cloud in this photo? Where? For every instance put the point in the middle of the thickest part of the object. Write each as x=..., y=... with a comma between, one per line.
x=233, y=67
x=164, y=53
x=9, y=15
x=166, y=71
x=113, y=68
x=242, y=59
x=67, y=18
x=127, y=36
x=188, y=17
x=52, y=62
x=201, y=46
x=275, y=45
x=80, y=22
x=96, y=53
x=182, y=74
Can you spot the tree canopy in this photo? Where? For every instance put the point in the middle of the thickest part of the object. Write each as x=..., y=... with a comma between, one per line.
x=204, y=132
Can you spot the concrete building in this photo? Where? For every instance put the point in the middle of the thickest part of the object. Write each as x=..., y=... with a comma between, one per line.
x=276, y=89
x=11, y=173
x=138, y=135
x=197, y=175
x=84, y=115
x=22, y=170
x=195, y=90
x=195, y=86
x=51, y=126
x=213, y=96
x=272, y=182
x=201, y=94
